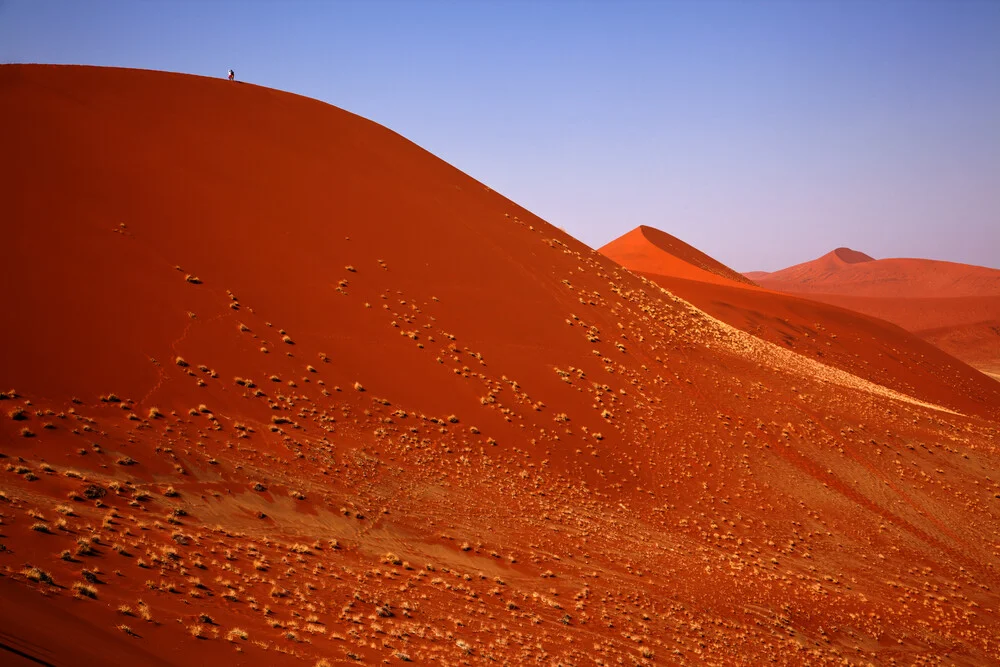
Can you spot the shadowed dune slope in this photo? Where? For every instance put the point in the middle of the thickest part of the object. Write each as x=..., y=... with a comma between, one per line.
x=965, y=327
x=278, y=386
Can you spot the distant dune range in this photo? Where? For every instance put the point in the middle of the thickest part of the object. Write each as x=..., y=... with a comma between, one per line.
x=280, y=387
x=954, y=306
x=837, y=336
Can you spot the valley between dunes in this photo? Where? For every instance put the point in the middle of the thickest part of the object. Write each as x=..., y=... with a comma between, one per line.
x=281, y=387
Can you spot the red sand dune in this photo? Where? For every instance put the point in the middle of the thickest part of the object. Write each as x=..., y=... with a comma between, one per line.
x=954, y=306
x=845, y=271
x=280, y=387
x=646, y=249
x=817, y=270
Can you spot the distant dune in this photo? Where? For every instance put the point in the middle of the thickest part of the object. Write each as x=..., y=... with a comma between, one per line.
x=954, y=306
x=646, y=249
x=280, y=387
x=849, y=272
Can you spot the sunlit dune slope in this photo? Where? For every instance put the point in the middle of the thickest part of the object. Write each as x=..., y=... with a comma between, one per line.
x=281, y=387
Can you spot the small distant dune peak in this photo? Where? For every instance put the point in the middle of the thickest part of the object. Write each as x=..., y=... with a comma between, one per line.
x=849, y=256
x=853, y=273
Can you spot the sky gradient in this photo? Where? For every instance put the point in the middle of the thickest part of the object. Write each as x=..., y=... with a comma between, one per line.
x=765, y=133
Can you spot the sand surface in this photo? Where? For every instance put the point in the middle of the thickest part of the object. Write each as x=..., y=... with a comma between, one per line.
x=281, y=387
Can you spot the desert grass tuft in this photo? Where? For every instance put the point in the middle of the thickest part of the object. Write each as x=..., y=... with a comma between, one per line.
x=83, y=590
x=237, y=633
x=37, y=574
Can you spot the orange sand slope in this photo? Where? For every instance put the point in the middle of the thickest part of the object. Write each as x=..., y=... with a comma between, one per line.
x=864, y=346
x=954, y=306
x=649, y=250
x=281, y=387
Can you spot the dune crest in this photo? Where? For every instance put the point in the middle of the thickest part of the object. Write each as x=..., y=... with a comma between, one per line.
x=849, y=256
x=646, y=249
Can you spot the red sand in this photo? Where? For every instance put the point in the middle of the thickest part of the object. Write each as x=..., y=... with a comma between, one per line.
x=649, y=250
x=867, y=347
x=954, y=306
x=470, y=439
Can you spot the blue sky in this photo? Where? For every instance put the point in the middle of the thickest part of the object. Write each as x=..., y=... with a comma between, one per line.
x=763, y=132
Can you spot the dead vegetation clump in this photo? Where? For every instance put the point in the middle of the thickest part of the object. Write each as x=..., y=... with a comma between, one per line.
x=84, y=547
x=37, y=574
x=82, y=590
